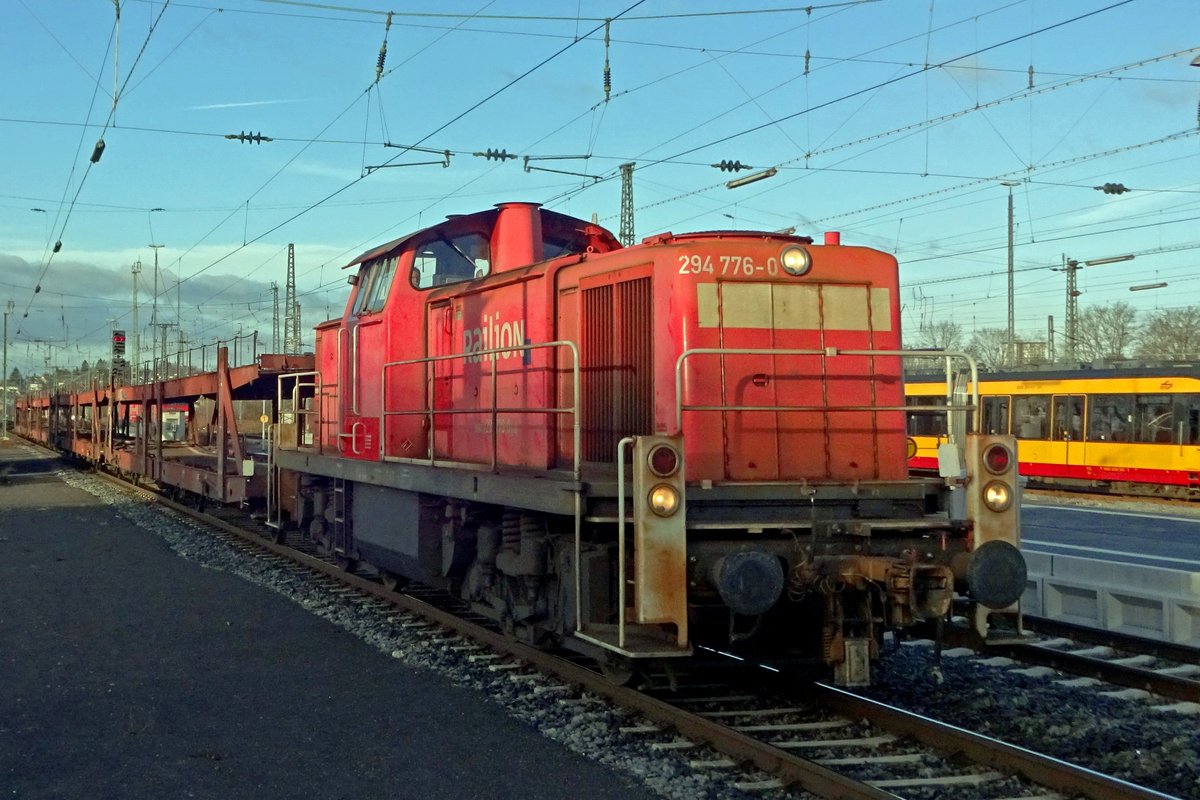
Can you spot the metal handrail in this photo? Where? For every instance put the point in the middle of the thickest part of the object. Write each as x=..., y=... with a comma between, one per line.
x=318, y=391
x=272, y=481
x=825, y=353
x=494, y=410
x=628, y=441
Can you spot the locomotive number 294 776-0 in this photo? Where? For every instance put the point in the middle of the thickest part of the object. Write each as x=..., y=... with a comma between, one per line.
x=728, y=265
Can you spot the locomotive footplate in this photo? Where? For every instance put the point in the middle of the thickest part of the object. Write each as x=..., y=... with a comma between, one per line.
x=636, y=641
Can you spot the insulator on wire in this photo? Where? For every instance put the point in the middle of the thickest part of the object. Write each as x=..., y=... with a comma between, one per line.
x=807, y=60
x=1031, y=76
x=607, y=71
x=1112, y=188
x=379, y=63
x=256, y=138
x=387, y=26
x=495, y=155
x=731, y=166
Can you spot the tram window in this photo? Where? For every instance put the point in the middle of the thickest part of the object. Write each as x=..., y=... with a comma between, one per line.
x=1030, y=416
x=1187, y=407
x=926, y=424
x=1109, y=417
x=1155, y=418
x=1068, y=418
x=995, y=415
x=442, y=261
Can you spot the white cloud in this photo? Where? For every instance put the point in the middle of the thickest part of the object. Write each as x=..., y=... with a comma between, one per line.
x=248, y=104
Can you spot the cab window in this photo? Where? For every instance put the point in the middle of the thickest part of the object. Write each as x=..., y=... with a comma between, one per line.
x=381, y=283
x=444, y=260
x=366, y=280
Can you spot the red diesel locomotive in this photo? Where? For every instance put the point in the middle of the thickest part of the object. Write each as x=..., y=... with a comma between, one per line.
x=633, y=452
x=695, y=441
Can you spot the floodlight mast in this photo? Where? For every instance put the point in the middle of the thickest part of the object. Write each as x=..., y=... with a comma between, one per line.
x=8, y=308
x=1071, y=266
x=1011, y=325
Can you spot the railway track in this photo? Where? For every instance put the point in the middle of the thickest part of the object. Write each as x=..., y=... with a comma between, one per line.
x=1089, y=654
x=1187, y=506
x=770, y=736
x=1147, y=665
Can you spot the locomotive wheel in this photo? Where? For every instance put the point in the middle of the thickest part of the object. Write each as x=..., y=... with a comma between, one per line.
x=391, y=581
x=276, y=535
x=617, y=671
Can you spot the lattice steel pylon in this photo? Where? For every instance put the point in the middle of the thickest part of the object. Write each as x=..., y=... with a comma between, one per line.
x=275, y=317
x=626, y=234
x=291, y=322
x=1070, y=265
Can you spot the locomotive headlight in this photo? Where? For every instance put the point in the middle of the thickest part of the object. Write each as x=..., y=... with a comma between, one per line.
x=795, y=260
x=664, y=500
x=997, y=496
x=912, y=448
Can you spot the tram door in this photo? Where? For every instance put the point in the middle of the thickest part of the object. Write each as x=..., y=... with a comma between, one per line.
x=1067, y=427
x=995, y=415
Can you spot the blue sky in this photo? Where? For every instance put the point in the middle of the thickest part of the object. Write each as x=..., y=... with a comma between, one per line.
x=897, y=129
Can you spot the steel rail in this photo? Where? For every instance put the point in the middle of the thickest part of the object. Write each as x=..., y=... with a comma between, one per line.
x=1175, y=687
x=1169, y=651
x=1041, y=769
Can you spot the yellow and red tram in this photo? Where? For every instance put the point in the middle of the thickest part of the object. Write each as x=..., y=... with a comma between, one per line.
x=1126, y=431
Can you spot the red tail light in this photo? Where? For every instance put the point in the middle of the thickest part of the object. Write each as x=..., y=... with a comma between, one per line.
x=997, y=459
x=663, y=461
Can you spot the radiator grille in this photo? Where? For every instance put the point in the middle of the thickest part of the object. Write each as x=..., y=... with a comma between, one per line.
x=617, y=369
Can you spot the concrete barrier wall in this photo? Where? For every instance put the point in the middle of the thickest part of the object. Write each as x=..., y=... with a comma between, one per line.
x=1142, y=601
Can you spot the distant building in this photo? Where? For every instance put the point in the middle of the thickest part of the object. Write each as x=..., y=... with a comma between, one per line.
x=1025, y=353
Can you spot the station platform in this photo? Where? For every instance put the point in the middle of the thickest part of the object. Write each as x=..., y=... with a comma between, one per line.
x=129, y=671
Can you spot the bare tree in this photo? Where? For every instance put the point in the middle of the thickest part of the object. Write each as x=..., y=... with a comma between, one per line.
x=1171, y=333
x=1106, y=332
x=944, y=335
x=989, y=346
x=936, y=336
